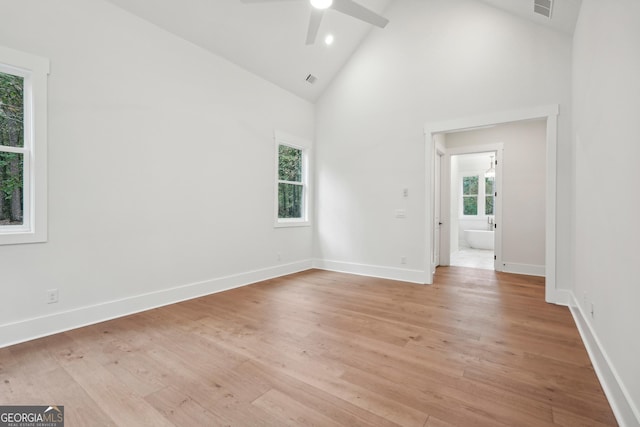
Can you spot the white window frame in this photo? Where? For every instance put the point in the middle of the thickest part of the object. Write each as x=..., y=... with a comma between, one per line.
x=462, y=195
x=282, y=138
x=481, y=195
x=34, y=71
x=484, y=198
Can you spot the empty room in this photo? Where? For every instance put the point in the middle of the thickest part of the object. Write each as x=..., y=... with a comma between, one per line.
x=319, y=212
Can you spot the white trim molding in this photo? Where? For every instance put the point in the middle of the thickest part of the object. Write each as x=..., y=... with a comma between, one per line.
x=625, y=411
x=28, y=329
x=528, y=269
x=382, y=272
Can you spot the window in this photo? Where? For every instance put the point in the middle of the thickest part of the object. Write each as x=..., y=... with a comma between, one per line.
x=489, y=195
x=473, y=195
x=470, y=195
x=23, y=151
x=292, y=188
x=13, y=155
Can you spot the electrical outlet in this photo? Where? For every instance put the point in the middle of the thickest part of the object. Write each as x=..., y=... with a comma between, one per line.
x=403, y=260
x=279, y=255
x=405, y=192
x=52, y=296
x=592, y=311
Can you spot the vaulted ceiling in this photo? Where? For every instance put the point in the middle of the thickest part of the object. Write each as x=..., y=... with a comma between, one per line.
x=268, y=39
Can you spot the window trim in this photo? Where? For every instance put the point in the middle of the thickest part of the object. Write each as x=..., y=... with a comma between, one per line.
x=282, y=138
x=34, y=71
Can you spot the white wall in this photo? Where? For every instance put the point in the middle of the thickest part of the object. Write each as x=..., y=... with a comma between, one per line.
x=161, y=168
x=606, y=84
x=523, y=192
x=437, y=60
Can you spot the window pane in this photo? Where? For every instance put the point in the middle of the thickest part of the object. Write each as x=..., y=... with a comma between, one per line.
x=470, y=185
x=488, y=205
x=290, y=199
x=470, y=205
x=11, y=110
x=488, y=185
x=11, y=185
x=289, y=164
x=488, y=190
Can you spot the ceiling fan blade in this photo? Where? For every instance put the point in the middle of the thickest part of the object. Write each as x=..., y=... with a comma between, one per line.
x=314, y=25
x=351, y=8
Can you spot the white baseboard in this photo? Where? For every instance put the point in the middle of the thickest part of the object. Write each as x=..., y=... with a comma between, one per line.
x=25, y=330
x=528, y=269
x=400, y=274
x=624, y=409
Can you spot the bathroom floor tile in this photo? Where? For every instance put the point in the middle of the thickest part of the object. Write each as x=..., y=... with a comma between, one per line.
x=473, y=258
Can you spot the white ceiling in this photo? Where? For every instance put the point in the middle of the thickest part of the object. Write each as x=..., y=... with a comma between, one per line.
x=269, y=39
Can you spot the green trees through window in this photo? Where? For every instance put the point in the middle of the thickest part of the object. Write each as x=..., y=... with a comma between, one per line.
x=290, y=182
x=488, y=198
x=472, y=194
x=11, y=140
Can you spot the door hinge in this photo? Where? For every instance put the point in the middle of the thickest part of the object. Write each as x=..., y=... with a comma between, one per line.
x=495, y=225
x=495, y=257
x=496, y=195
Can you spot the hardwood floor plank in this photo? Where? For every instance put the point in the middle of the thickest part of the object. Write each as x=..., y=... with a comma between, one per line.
x=113, y=397
x=59, y=386
x=332, y=406
x=181, y=409
x=567, y=398
x=438, y=382
x=324, y=348
x=290, y=411
x=434, y=422
x=570, y=419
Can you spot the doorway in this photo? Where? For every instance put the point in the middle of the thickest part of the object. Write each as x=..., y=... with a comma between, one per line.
x=550, y=115
x=472, y=209
x=469, y=166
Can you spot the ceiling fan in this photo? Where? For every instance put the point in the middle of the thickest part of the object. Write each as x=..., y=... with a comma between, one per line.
x=348, y=7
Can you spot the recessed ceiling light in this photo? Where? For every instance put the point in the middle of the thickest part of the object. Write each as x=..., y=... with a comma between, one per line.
x=321, y=4
x=329, y=39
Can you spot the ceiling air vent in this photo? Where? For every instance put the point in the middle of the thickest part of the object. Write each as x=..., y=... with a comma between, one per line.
x=543, y=7
x=311, y=79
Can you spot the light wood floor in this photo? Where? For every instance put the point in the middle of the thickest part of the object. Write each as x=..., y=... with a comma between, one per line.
x=478, y=348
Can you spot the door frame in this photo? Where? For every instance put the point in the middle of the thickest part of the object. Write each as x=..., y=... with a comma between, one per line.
x=548, y=112
x=498, y=150
x=437, y=243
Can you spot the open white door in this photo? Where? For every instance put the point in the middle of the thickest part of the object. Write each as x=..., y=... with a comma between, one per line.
x=437, y=221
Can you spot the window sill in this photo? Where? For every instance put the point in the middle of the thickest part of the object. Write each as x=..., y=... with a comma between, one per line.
x=18, y=237
x=292, y=223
